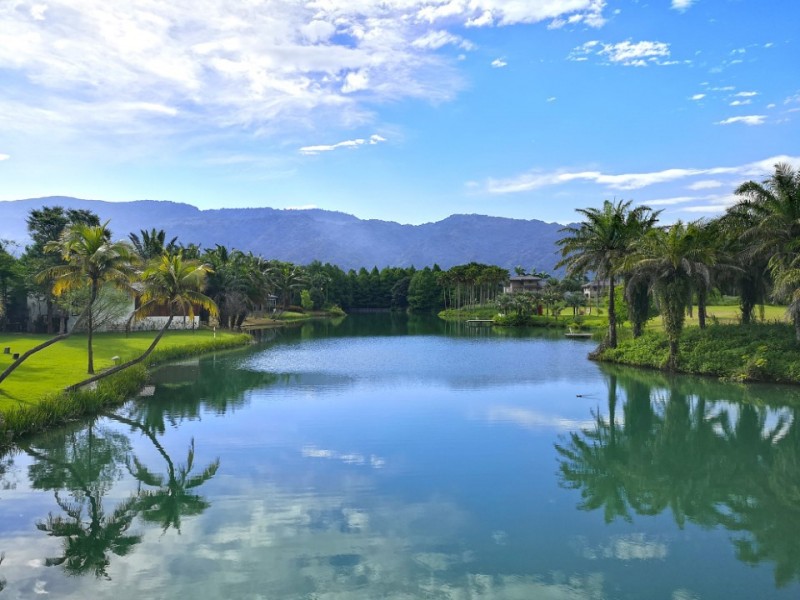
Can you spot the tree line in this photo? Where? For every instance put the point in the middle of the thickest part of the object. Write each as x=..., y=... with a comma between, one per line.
x=752, y=250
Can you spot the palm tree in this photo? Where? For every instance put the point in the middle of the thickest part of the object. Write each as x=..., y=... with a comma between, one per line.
x=91, y=260
x=152, y=244
x=286, y=278
x=601, y=242
x=170, y=282
x=674, y=260
x=773, y=209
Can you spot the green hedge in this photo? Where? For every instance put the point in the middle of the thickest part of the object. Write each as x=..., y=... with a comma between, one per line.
x=758, y=352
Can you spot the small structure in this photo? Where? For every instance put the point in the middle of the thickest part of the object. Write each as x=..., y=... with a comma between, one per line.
x=595, y=289
x=524, y=283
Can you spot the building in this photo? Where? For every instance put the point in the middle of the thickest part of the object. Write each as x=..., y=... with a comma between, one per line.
x=595, y=290
x=524, y=283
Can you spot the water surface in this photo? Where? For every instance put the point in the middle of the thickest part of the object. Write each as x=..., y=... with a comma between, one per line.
x=387, y=457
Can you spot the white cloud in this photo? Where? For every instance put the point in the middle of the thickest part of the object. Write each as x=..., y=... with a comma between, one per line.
x=4, y=157
x=681, y=5
x=552, y=99
x=499, y=63
x=706, y=184
x=434, y=40
x=627, y=53
x=747, y=120
x=698, y=96
x=256, y=65
x=38, y=12
x=630, y=181
x=303, y=207
x=746, y=94
x=355, y=81
x=670, y=201
x=371, y=141
x=741, y=102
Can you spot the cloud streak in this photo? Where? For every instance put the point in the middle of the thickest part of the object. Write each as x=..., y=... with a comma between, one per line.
x=746, y=119
x=313, y=150
x=534, y=180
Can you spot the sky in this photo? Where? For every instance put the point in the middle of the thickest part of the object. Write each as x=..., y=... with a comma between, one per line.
x=400, y=110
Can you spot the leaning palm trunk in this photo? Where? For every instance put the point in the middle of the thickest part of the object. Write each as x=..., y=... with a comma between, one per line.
x=10, y=369
x=126, y=365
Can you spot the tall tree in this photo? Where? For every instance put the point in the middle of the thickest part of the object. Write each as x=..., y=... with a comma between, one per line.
x=46, y=225
x=773, y=208
x=172, y=283
x=601, y=242
x=91, y=260
x=673, y=260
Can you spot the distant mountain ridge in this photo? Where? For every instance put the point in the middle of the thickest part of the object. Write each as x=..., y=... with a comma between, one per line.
x=301, y=236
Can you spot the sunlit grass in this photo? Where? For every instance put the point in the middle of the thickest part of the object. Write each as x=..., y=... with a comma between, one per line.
x=727, y=315
x=65, y=362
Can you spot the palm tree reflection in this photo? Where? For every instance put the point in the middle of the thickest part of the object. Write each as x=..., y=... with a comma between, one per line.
x=82, y=467
x=711, y=464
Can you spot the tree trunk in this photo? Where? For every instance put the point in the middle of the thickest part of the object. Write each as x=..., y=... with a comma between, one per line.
x=90, y=331
x=10, y=369
x=701, y=309
x=124, y=366
x=672, y=363
x=612, y=315
x=49, y=324
x=797, y=327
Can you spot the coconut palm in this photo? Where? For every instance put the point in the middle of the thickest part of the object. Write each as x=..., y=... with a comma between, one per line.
x=152, y=244
x=674, y=260
x=172, y=283
x=91, y=260
x=601, y=242
x=772, y=209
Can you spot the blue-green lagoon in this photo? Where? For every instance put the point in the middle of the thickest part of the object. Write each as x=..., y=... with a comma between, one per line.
x=401, y=458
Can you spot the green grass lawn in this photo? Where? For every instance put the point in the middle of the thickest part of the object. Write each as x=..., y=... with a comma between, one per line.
x=65, y=362
x=725, y=315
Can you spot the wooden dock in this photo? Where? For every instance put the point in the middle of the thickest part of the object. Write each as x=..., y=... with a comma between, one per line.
x=579, y=335
x=480, y=322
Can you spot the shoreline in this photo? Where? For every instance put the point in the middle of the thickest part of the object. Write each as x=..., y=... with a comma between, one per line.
x=756, y=353
x=58, y=408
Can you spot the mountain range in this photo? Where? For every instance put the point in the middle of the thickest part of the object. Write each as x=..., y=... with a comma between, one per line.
x=301, y=236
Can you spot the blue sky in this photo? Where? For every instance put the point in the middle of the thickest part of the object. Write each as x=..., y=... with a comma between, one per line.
x=402, y=110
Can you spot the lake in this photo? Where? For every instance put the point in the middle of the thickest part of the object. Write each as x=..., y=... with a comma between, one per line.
x=400, y=457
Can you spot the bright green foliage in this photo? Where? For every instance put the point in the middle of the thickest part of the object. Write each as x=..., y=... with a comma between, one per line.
x=758, y=352
x=424, y=292
x=305, y=300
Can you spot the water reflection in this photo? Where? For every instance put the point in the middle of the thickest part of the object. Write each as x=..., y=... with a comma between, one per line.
x=365, y=467
x=711, y=463
x=82, y=467
x=172, y=498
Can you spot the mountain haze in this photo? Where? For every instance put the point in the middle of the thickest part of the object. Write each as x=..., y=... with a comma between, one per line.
x=301, y=236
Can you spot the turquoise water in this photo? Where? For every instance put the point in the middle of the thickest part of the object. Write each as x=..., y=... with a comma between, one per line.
x=392, y=458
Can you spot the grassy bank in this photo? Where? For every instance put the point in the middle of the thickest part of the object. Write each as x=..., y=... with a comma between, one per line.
x=759, y=352
x=31, y=399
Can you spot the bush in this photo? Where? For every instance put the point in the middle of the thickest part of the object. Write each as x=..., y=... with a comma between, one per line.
x=757, y=352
